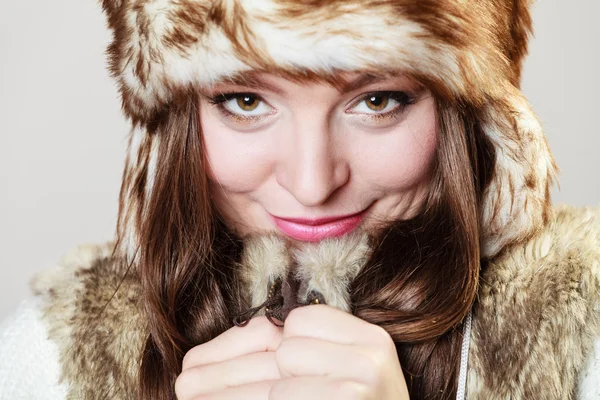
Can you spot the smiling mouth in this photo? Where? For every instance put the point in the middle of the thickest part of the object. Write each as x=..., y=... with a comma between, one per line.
x=314, y=230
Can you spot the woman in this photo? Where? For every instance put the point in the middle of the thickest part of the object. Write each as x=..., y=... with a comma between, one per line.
x=377, y=157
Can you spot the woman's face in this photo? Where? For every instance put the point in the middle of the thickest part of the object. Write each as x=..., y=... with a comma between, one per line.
x=310, y=160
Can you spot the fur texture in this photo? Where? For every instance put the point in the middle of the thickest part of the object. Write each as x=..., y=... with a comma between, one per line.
x=538, y=312
x=265, y=258
x=327, y=267
x=165, y=50
x=330, y=267
x=94, y=316
x=535, y=320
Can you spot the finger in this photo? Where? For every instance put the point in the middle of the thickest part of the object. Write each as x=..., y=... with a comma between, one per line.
x=251, y=391
x=302, y=388
x=259, y=335
x=334, y=325
x=208, y=378
x=303, y=356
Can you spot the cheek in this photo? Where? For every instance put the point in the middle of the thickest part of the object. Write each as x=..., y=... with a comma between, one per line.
x=403, y=158
x=237, y=161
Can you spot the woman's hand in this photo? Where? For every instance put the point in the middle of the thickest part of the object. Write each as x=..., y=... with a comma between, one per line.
x=329, y=354
x=238, y=364
x=321, y=353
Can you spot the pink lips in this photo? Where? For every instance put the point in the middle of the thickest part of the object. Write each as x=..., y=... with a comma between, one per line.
x=314, y=230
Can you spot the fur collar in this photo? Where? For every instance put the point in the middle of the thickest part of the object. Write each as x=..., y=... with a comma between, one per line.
x=534, y=322
x=538, y=312
x=99, y=346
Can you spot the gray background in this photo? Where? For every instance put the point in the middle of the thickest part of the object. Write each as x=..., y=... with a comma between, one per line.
x=62, y=136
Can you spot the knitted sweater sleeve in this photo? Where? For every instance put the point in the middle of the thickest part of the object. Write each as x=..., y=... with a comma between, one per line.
x=589, y=386
x=29, y=366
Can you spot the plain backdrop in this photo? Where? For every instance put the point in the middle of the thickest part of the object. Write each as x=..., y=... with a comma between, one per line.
x=63, y=139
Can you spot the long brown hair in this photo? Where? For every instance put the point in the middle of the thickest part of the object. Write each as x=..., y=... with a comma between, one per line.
x=419, y=284
x=422, y=278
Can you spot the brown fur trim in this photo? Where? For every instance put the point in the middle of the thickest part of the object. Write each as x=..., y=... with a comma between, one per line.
x=330, y=267
x=264, y=259
x=538, y=313
x=327, y=267
x=95, y=318
x=520, y=27
x=516, y=204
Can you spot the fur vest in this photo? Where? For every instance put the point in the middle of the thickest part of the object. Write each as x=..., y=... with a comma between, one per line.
x=534, y=322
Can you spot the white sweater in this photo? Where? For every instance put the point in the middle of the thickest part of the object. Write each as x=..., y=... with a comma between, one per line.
x=29, y=366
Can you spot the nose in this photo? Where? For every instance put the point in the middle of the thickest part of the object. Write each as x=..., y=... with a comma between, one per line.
x=312, y=167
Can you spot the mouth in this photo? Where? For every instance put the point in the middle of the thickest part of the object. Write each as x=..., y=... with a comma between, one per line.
x=314, y=230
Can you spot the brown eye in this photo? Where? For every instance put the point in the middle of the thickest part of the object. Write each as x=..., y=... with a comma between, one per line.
x=248, y=102
x=377, y=102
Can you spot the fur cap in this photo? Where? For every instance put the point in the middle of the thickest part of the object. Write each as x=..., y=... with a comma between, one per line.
x=471, y=49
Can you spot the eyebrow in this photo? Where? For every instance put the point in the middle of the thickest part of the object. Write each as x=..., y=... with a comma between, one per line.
x=359, y=82
x=253, y=81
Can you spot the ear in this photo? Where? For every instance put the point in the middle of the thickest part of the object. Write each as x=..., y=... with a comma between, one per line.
x=516, y=203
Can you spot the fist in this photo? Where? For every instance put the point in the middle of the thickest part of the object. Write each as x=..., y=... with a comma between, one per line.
x=320, y=353
x=239, y=363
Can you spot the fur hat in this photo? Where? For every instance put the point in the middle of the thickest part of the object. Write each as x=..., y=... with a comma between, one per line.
x=473, y=49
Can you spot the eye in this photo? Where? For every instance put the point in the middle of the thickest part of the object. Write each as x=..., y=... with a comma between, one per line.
x=377, y=103
x=243, y=104
x=381, y=103
x=247, y=102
